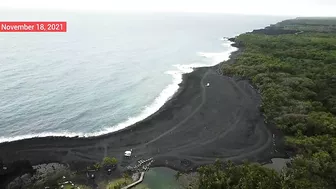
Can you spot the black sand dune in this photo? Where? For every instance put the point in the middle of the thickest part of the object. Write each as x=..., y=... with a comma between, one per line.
x=198, y=125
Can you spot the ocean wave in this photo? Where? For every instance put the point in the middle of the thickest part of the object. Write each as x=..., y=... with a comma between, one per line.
x=44, y=134
x=221, y=56
x=159, y=101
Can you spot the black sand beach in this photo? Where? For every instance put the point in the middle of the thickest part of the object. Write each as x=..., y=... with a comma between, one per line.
x=197, y=126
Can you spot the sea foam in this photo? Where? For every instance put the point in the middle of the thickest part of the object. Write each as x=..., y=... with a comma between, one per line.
x=159, y=101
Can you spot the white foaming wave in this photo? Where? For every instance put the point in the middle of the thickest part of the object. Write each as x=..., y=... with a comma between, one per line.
x=159, y=101
x=44, y=134
x=221, y=56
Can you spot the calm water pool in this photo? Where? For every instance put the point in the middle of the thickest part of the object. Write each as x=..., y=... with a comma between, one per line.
x=161, y=178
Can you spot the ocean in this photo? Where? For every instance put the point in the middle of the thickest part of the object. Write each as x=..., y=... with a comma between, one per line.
x=108, y=71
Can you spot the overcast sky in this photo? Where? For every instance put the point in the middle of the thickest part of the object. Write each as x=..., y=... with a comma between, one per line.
x=259, y=7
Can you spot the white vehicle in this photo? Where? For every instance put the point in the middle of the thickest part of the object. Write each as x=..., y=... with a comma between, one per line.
x=208, y=84
x=128, y=153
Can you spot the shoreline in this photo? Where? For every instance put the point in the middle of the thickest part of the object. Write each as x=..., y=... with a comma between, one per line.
x=222, y=121
x=181, y=86
x=186, y=69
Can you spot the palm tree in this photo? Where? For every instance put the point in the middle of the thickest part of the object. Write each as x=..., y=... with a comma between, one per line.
x=110, y=162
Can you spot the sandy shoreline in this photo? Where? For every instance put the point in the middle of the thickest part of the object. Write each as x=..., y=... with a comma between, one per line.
x=196, y=126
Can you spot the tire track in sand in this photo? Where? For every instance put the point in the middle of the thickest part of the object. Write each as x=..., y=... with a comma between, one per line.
x=188, y=117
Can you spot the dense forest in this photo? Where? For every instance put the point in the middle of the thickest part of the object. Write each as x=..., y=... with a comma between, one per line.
x=293, y=65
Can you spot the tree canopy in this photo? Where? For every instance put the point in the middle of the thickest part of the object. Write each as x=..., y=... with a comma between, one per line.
x=109, y=161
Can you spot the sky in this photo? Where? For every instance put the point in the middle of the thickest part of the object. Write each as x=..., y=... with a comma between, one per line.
x=253, y=7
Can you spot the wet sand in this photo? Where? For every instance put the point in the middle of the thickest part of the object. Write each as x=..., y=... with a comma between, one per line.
x=197, y=126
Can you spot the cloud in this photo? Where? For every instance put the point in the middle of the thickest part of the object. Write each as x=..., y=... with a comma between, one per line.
x=262, y=7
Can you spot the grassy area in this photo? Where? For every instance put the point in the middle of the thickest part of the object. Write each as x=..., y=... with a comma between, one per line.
x=69, y=186
x=119, y=183
x=83, y=187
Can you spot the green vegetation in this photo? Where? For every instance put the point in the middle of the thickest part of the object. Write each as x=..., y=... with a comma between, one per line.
x=296, y=76
x=178, y=175
x=83, y=187
x=51, y=179
x=246, y=176
x=97, y=166
x=119, y=183
x=124, y=181
x=107, y=161
x=309, y=24
x=69, y=186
